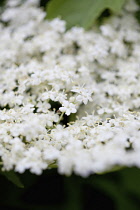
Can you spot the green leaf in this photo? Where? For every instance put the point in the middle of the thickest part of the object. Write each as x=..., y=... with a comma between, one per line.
x=12, y=176
x=81, y=13
x=113, y=169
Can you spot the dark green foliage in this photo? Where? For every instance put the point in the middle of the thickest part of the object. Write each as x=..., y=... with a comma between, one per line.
x=81, y=13
x=113, y=191
x=12, y=177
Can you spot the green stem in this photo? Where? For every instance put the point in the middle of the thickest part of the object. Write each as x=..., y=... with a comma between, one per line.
x=61, y=116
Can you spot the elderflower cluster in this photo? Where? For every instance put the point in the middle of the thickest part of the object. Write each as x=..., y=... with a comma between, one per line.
x=69, y=99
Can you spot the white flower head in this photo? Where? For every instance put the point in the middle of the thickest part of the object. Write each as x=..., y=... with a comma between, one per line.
x=68, y=108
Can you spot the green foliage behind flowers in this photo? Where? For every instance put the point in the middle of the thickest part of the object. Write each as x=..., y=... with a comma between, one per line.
x=2, y=2
x=12, y=177
x=81, y=13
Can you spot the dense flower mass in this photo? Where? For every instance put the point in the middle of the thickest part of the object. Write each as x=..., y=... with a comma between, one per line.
x=68, y=98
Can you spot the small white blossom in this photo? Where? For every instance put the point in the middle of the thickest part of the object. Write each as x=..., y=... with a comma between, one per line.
x=48, y=72
x=68, y=108
x=84, y=94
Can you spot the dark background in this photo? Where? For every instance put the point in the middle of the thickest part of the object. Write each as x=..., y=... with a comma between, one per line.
x=51, y=191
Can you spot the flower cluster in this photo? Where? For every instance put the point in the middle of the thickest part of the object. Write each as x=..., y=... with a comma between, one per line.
x=69, y=99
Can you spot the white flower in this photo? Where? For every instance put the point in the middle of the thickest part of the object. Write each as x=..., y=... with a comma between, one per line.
x=46, y=69
x=84, y=94
x=107, y=30
x=68, y=108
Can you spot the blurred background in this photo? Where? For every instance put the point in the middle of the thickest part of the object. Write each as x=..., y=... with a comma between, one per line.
x=113, y=191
